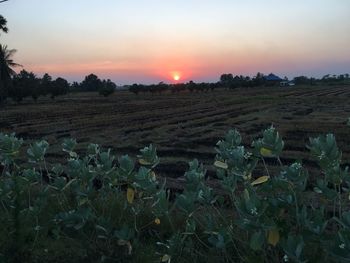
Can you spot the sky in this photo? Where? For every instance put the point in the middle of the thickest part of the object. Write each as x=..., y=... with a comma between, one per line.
x=148, y=41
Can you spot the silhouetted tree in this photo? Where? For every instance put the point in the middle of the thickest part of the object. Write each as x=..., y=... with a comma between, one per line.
x=226, y=79
x=45, y=84
x=6, y=71
x=302, y=80
x=258, y=80
x=108, y=87
x=191, y=86
x=213, y=86
x=91, y=83
x=34, y=87
x=59, y=86
x=24, y=84
x=134, y=88
x=75, y=86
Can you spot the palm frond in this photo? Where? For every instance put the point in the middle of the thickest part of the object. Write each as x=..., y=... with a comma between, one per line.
x=3, y=23
x=6, y=62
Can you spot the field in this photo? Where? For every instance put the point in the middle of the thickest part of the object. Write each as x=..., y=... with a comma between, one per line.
x=187, y=125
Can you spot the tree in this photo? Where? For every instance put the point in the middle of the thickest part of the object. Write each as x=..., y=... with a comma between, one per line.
x=25, y=84
x=226, y=78
x=6, y=71
x=60, y=86
x=135, y=88
x=259, y=80
x=108, y=87
x=3, y=23
x=303, y=80
x=45, y=84
x=91, y=83
x=75, y=86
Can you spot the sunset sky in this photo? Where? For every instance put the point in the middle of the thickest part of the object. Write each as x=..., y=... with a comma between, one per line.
x=148, y=41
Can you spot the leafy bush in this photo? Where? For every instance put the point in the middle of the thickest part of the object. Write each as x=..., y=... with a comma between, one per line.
x=98, y=207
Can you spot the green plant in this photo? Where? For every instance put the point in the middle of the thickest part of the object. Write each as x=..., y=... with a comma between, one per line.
x=109, y=207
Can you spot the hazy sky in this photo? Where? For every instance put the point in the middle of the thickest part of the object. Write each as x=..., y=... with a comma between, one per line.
x=148, y=40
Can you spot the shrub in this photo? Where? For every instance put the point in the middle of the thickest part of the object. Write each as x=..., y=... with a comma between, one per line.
x=109, y=208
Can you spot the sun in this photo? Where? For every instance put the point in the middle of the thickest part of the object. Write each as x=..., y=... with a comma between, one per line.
x=176, y=77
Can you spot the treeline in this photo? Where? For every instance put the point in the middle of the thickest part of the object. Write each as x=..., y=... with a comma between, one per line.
x=226, y=81
x=92, y=83
x=27, y=84
x=231, y=82
x=173, y=88
x=342, y=79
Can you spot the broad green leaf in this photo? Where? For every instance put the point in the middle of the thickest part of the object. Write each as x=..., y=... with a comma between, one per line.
x=257, y=240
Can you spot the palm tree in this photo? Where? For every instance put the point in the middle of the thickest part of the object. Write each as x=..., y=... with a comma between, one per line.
x=6, y=71
x=3, y=23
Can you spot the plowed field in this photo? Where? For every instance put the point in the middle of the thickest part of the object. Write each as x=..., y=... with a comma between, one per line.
x=186, y=125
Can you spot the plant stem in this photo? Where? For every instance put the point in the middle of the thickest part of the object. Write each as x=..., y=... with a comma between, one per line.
x=340, y=201
x=280, y=162
x=171, y=223
x=267, y=171
x=296, y=208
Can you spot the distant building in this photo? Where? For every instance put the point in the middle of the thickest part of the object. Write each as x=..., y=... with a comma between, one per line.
x=272, y=80
x=273, y=77
x=287, y=83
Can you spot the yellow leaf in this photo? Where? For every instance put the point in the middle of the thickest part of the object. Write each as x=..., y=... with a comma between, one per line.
x=274, y=237
x=157, y=221
x=166, y=258
x=266, y=152
x=144, y=162
x=130, y=194
x=220, y=164
x=261, y=180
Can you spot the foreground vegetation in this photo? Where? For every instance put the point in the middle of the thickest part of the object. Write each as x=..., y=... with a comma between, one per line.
x=97, y=207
